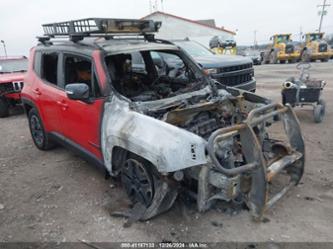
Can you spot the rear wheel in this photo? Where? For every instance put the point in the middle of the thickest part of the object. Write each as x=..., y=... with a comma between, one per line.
x=4, y=107
x=38, y=133
x=319, y=111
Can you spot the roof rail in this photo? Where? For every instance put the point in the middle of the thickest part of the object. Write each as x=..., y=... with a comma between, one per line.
x=78, y=29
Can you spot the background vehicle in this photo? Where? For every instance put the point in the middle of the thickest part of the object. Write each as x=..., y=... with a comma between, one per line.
x=315, y=48
x=12, y=70
x=254, y=55
x=281, y=51
x=235, y=71
x=221, y=45
x=160, y=125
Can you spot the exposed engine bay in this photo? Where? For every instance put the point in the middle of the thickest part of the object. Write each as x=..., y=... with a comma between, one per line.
x=203, y=116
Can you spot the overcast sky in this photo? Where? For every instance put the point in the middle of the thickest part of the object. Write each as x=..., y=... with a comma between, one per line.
x=20, y=20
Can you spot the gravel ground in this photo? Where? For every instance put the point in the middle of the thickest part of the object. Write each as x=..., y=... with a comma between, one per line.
x=56, y=196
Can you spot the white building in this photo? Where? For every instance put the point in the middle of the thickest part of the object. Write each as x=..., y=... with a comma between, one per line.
x=175, y=27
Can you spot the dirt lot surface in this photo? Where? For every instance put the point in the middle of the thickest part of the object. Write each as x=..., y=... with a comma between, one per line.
x=56, y=196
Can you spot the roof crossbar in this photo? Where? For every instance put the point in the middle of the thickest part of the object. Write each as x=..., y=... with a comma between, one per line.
x=78, y=29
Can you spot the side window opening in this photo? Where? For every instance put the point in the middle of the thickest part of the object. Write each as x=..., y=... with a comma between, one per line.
x=50, y=68
x=78, y=69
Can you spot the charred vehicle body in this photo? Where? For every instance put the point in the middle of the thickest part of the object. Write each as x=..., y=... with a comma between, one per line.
x=161, y=128
x=12, y=70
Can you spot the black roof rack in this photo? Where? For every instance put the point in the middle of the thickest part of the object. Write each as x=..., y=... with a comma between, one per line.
x=78, y=29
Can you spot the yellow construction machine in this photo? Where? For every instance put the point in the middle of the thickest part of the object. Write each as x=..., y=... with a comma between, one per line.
x=282, y=50
x=315, y=48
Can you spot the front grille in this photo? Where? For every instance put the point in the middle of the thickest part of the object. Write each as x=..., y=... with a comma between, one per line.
x=323, y=47
x=11, y=87
x=235, y=68
x=236, y=80
x=289, y=49
x=235, y=75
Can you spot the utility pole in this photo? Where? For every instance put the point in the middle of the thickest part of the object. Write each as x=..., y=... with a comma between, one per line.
x=255, y=39
x=155, y=6
x=4, y=47
x=150, y=7
x=162, y=5
x=322, y=13
x=300, y=33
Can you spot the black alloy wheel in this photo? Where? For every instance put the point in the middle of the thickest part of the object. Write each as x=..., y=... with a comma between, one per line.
x=138, y=182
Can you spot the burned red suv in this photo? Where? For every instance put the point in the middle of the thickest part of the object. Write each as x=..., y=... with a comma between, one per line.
x=12, y=71
x=145, y=111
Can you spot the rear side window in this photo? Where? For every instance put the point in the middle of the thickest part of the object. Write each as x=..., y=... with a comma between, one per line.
x=37, y=61
x=49, y=70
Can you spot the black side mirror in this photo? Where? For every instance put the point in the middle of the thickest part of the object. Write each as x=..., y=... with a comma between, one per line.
x=78, y=91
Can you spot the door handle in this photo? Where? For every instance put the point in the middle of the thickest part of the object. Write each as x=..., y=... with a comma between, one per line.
x=37, y=91
x=63, y=104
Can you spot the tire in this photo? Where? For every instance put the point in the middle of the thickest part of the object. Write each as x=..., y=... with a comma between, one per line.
x=38, y=134
x=4, y=107
x=324, y=60
x=272, y=58
x=305, y=57
x=138, y=181
x=319, y=111
x=282, y=61
x=143, y=185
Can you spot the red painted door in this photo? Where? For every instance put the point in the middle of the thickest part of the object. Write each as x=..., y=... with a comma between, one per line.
x=82, y=121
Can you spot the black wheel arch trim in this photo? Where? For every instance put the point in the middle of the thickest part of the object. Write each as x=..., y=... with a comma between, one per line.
x=29, y=102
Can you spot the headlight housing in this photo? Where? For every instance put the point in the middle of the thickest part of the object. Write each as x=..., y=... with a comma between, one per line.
x=210, y=71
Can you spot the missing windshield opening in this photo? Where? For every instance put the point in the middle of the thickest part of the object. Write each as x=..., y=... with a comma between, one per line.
x=150, y=75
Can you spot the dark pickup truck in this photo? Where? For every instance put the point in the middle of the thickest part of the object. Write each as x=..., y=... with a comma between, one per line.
x=230, y=70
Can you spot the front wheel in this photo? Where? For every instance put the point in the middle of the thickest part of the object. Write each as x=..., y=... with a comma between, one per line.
x=319, y=111
x=39, y=136
x=4, y=107
x=272, y=58
x=143, y=185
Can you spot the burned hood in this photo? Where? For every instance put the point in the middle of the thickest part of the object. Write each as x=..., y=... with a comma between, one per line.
x=180, y=100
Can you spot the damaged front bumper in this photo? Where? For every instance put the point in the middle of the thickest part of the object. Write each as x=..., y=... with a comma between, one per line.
x=258, y=169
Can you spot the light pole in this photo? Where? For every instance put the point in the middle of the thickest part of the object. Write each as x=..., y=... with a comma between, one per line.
x=322, y=13
x=4, y=47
